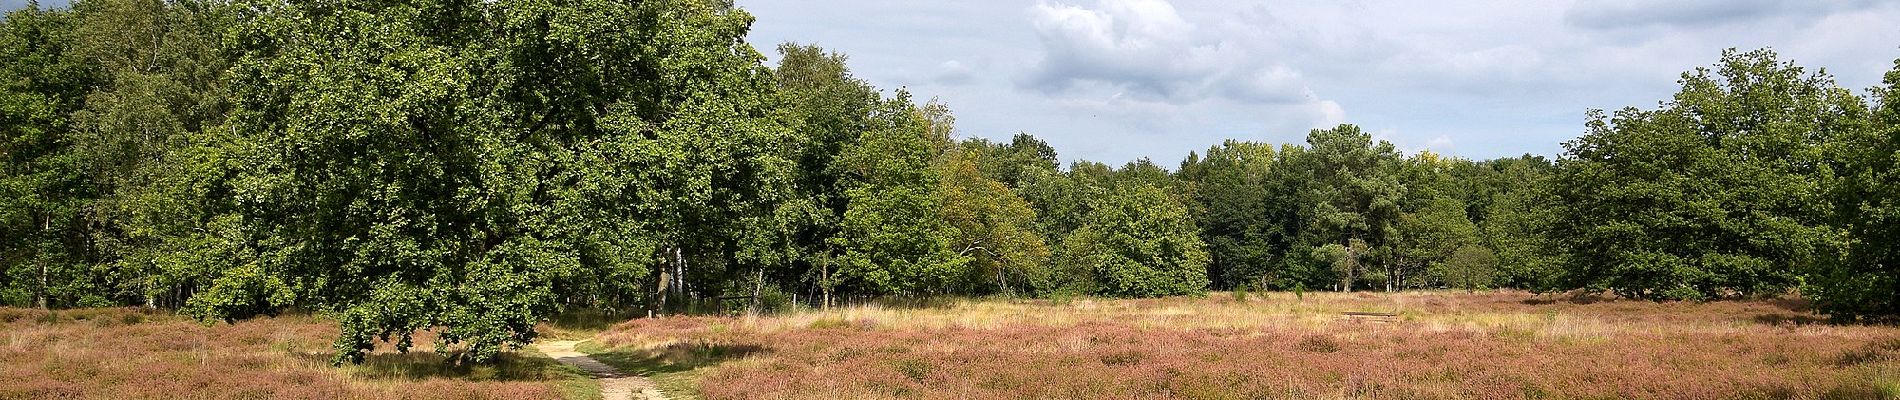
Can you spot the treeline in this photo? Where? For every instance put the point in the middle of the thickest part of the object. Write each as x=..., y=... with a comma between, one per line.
x=474, y=167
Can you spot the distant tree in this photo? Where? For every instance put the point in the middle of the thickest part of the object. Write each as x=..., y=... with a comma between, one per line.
x=44, y=180
x=160, y=154
x=1345, y=260
x=1353, y=194
x=473, y=164
x=1135, y=241
x=827, y=108
x=1517, y=225
x=1428, y=237
x=1059, y=199
x=1234, y=209
x=1471, y=267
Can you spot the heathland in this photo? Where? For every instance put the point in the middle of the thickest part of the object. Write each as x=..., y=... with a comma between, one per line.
x=1434, y=345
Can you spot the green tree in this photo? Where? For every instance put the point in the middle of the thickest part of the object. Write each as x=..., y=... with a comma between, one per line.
x=1428, y=237
x=473, y=166
x=1471, y=267
x=154, y=138
x=1715, y=194
x=1517, y=225
x=45, y=186
x=827, y=109
x=1235, y=211
x=1011, y=163
x=1135, y=241
x=1861, y=282
x=1353, y=194
x=895, y=238
x=994, y=227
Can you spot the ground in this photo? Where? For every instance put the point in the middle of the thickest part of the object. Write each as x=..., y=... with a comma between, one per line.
x=1440, y=345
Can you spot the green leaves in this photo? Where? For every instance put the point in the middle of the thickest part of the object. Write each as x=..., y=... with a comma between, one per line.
x=1714, y=194
x=1861, y=280
x=1136, y=241
x=437, y=175
x=894, y=235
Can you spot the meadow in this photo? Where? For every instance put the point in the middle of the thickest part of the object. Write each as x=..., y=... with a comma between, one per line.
x=1438, y=345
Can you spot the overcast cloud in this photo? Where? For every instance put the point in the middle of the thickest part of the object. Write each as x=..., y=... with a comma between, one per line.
x=1116, y=80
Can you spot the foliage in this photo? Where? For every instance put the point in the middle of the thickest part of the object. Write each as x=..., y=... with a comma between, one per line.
x=1136, y=241
x=1471, y=267
x=894, y=236
x=1352, y=196
x=1861, y=282
x=1235, y=208
x=1715, y=194
x=993, y=228
x=1432, y=235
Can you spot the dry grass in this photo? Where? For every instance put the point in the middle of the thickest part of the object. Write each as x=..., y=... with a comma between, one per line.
x=1503, y=345
x=128, y=353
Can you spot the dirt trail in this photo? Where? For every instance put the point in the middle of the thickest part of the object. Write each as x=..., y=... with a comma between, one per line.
x=614, y=385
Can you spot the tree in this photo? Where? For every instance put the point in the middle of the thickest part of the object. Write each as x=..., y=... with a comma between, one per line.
x=1517, y=224
x=827, y=109
x=44, y=179
x=1471, y=267
x=1715, y=194
x=1434, y=220
x=1430, y=236
x=993, y=226
x=894, y=235
x=1136, y=241
x=1352, y=195
x=1861, y=282
x=475, y=165
x=1234, y=210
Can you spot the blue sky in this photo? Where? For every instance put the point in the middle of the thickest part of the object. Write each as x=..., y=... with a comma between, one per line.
x=1116, y=80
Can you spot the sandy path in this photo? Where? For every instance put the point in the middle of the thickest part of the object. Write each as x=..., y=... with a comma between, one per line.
x=614, y=385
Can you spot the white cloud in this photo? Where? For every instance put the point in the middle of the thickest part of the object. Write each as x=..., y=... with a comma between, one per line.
x=1146, y=50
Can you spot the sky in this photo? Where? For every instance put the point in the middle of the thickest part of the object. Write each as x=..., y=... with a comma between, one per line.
x=1118, y=80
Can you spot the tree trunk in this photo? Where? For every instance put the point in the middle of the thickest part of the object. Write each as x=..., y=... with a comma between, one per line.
x=1003, y=281
x=757, y=287
x=1393, y=274
x=824, y=277
x=679, y=277
x=662, y=288
x=151, y=300
x=39, y=294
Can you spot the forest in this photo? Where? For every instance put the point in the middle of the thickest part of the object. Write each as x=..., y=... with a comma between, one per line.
x=472, y=168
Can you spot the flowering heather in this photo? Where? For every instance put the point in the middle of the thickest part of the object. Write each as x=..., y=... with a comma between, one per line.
x=131, y=354
x=1504, y=345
